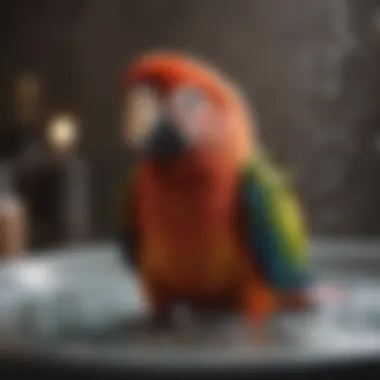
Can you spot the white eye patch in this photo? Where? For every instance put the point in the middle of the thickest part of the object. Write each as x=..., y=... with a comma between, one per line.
x=141, y=112
x=192, y=111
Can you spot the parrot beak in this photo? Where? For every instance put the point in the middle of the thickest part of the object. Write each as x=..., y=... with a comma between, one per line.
x=166, y=142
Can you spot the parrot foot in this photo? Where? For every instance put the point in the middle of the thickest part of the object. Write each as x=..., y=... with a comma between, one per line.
x=258, y=304
x=156, y=327
x=296, y=301
x=159, y=323
x=187, y=325
x=179, y=325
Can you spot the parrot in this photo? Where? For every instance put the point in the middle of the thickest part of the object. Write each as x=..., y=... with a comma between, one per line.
x=206, y=218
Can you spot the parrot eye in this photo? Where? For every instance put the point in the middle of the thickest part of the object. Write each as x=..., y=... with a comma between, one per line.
x=193, y=111
x=141, y=112
x=188, y=98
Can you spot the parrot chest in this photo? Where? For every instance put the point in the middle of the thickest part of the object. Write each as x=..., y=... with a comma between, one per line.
x=189, y=235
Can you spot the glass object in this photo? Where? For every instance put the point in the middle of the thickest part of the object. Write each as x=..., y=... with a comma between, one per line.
x=12, y=217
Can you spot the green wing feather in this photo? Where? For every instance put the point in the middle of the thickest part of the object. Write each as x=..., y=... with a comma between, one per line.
x=275, y=229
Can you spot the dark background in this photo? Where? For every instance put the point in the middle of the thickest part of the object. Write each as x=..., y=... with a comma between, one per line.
x=310, y=67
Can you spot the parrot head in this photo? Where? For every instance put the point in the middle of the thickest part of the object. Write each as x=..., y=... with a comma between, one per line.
x=176, y=106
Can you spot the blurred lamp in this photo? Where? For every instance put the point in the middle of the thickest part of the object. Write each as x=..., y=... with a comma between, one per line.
x=27, y=85
x=27, y=102
x=62, y=134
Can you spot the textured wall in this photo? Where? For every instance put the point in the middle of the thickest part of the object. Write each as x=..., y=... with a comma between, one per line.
x=309, y=66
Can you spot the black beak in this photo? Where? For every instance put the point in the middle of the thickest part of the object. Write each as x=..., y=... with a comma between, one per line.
x=166, y=141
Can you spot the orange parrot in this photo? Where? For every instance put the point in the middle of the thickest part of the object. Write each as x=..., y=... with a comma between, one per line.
x=207, y=220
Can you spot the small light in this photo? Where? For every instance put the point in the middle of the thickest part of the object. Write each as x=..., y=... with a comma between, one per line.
x=62, y=133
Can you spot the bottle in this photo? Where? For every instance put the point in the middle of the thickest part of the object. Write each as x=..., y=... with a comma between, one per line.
x=12, y=218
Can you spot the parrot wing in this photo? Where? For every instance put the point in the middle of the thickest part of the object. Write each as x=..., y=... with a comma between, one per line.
x=273, y=226
x=127, y=220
